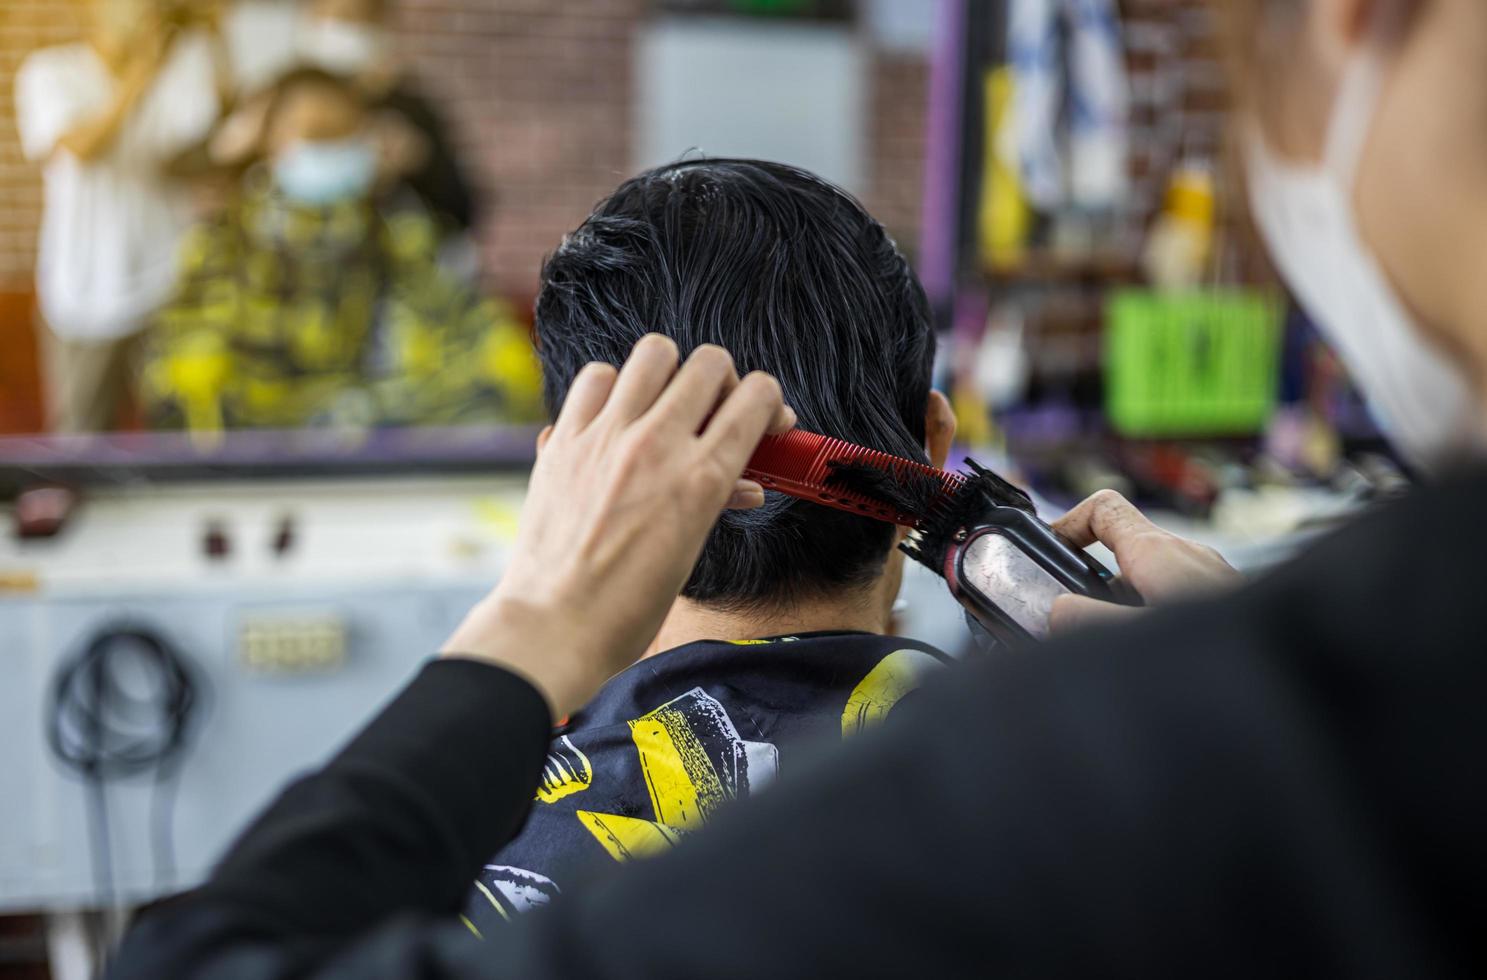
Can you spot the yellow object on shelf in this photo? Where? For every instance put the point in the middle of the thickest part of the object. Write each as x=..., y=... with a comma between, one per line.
x=1180, y=244
x=1004, y=219
x=973, y=424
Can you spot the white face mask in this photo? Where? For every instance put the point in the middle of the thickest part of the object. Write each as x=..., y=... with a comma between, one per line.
x=1422, y=401
x=325, y=172
x=343, y=47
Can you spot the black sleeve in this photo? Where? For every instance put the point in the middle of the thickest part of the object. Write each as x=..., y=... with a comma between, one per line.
x=397, y=824
x=1278, y=783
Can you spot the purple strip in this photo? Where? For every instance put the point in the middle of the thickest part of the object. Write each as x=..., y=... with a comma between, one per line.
x=496, y=446
x=937, y=232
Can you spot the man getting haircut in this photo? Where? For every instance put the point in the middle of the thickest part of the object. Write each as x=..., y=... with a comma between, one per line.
x=777, y=637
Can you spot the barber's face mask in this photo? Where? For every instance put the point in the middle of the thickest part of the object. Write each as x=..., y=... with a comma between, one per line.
x=1422, y=401
x=343, y=47
x=326, y=172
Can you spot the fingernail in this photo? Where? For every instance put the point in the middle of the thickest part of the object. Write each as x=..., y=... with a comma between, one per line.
x=746, y=500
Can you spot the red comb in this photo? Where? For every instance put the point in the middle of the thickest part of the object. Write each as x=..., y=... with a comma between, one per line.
x=798, y=463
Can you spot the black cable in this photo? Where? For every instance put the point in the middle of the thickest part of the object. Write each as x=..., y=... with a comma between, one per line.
x=105, y=727
x=162, y=827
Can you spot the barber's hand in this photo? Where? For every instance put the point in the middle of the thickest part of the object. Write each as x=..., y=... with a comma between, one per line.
x=1158, y=564
x=626, y=486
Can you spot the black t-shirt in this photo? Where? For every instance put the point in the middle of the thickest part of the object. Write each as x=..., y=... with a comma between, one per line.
x=667, y=743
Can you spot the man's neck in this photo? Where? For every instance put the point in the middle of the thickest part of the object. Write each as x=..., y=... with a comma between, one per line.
x=688, y=621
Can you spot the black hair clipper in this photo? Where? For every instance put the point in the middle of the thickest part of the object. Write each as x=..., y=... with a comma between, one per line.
x=1003, y=563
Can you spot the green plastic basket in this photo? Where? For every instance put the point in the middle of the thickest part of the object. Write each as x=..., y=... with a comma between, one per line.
x=1191, y=364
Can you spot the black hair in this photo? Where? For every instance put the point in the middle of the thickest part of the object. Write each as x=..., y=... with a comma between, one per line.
x=794, y=277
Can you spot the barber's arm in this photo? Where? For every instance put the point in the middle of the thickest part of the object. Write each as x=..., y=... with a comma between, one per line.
x=1229, y=788
x=626, y=486
x=1187, y=795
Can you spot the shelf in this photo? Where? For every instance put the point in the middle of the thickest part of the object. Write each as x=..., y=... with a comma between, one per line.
x=1047, y=268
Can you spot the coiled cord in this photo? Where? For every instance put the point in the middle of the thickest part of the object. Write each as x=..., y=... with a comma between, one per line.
x=121, y=707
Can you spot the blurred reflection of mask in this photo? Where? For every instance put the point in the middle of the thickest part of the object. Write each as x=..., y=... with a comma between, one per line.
x=326, y=172
x=343, y=47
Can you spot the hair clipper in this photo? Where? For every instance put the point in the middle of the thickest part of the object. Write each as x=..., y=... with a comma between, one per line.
x=981, y=533
x=1004, y=564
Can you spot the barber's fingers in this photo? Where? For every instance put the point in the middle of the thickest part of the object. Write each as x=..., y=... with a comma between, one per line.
x=703, y=381
x=1158, y=564
x=586, y=397
x=1075, y=612
x=645, y=375
x=783, y=421
x=746, y=496
x=700, y=386
x=734, y=431
x=1106, y=517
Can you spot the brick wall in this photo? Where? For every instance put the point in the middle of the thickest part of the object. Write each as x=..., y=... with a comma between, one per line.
x=539, y=92
x=24, y=26
x=900, y=88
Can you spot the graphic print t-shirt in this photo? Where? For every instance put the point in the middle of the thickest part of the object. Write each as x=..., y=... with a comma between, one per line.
x=676, y=737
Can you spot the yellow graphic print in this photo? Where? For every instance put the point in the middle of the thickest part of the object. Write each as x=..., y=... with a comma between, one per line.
x=683, y=784
x=567, y=771
x=884, y=686
x=628, y=837
x=693, y=761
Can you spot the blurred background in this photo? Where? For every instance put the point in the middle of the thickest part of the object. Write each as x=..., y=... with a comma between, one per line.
x=331, y=215
x=498, y=125
x=267, y=392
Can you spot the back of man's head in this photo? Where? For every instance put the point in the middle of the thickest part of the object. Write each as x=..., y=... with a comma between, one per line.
x=793, y=277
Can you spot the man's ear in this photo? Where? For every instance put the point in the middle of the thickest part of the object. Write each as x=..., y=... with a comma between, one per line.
x=542, y=438
x=939, y=428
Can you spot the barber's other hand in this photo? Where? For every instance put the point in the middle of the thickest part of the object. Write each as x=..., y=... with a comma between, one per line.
x=1158, y=564
x=626, y=486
